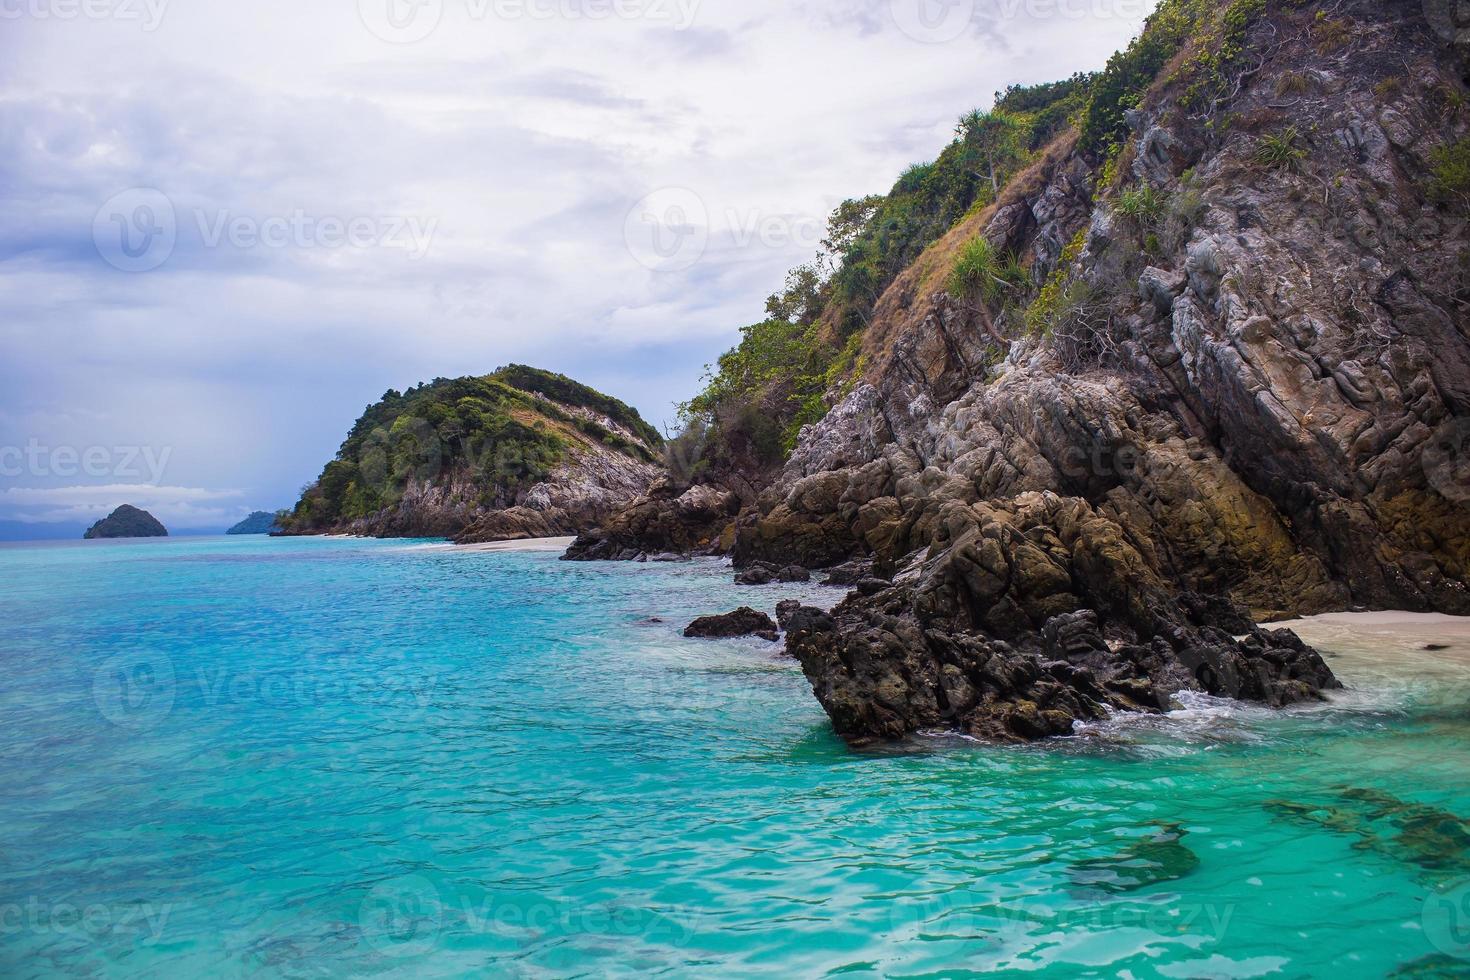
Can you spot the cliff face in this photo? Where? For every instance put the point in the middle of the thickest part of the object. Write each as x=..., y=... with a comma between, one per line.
x=127, y=522
x=516, y=454
x=1238, y=366
x=1265, y=378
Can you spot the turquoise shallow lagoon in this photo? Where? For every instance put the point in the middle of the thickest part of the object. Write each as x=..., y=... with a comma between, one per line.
x=272, y=758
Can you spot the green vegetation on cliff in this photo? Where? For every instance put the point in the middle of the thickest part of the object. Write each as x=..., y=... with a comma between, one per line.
x=560, y=388
x=502, y=433
x=875, y=239
x=787, y=368
x=759, y=394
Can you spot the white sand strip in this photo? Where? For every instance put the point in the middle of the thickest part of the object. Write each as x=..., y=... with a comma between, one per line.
x=529, y=544
x=1388, y=639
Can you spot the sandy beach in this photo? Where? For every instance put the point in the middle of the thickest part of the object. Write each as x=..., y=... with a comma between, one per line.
x=529, y=544
x=1385, y=637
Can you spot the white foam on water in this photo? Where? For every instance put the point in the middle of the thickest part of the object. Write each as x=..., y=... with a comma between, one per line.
x=1388, y=663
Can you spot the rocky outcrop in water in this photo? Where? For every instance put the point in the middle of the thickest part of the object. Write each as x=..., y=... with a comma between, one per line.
x=742, y=622
x=127, y=522
x=1029, y=618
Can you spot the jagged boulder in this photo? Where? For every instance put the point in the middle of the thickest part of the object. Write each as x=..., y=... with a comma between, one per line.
x=763, y=573
x=742, y=622
x=666, y=519
x=1036, y=615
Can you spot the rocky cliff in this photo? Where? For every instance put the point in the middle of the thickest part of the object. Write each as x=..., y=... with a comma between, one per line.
x=1208, y=351
x=127, y=522
x=520, y=453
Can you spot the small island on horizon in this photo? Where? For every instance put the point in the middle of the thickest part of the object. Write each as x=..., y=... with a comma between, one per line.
x=127, y=521
x=259, y=522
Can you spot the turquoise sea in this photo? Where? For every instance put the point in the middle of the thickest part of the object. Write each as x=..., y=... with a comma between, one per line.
x=309, y=758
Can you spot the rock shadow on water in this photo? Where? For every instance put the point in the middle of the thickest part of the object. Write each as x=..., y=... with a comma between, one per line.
x=1159, y=856
x=1431, y=838
x=1436, y=966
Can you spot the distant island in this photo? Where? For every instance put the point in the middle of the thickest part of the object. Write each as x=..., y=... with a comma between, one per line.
x=260, y=522
x=127, y=522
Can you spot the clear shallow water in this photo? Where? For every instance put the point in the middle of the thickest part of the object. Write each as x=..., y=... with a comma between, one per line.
x=246, y=756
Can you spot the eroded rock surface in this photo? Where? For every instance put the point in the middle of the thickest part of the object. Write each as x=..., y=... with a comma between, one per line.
x=1028, y=618
x=666, y=519
x=742, y=622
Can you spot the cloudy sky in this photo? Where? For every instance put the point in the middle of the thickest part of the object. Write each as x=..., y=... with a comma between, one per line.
x=229, y=226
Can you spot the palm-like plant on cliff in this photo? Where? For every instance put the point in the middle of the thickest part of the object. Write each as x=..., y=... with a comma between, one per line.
x=979, y=278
